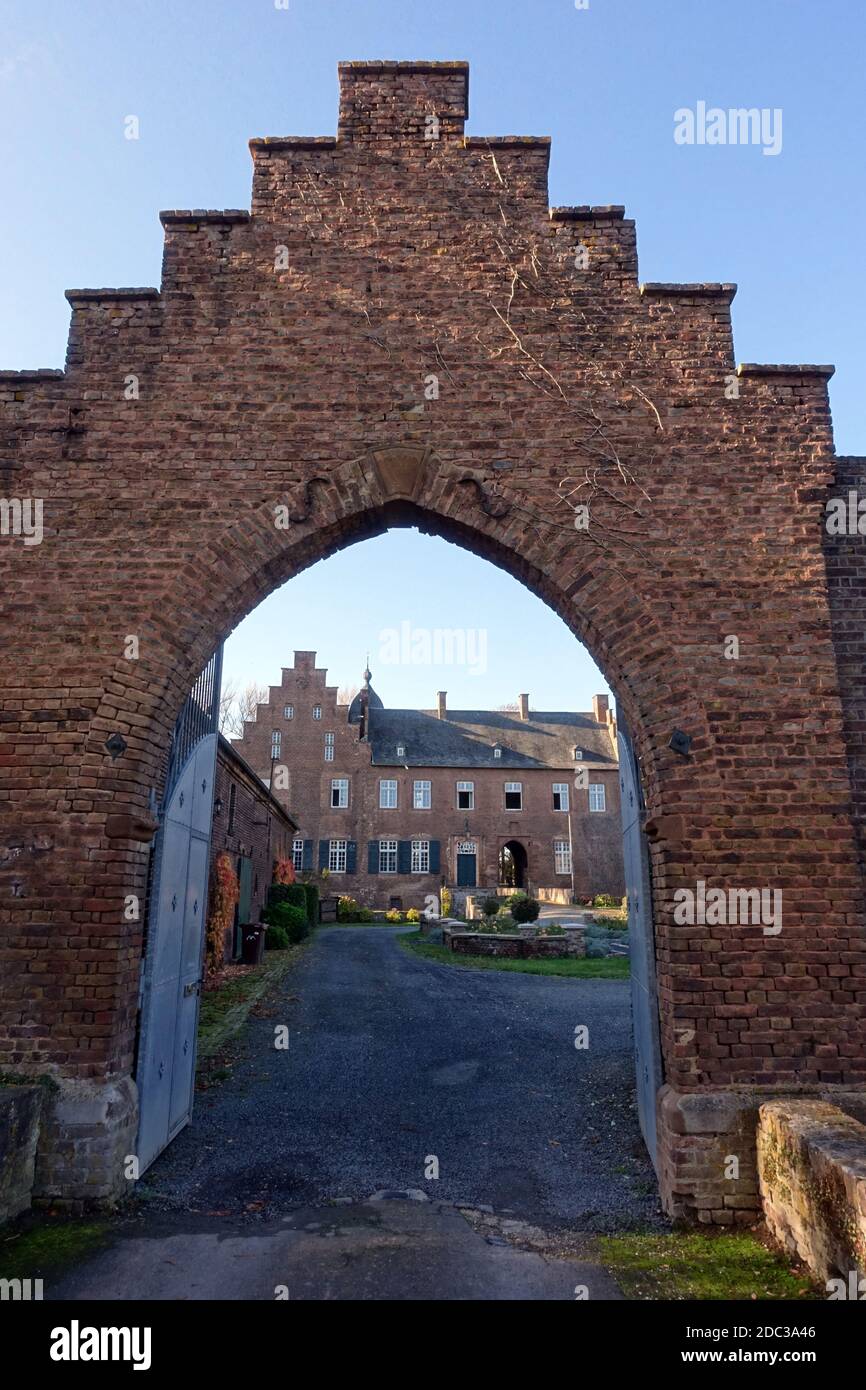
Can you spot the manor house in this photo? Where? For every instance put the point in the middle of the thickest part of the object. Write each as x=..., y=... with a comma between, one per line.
x=396, y=803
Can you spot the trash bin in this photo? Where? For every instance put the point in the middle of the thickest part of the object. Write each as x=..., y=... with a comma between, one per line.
x=253, y=943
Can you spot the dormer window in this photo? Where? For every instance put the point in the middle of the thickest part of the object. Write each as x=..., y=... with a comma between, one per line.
x=497, y=750
x=401, y=750
x=578, y=755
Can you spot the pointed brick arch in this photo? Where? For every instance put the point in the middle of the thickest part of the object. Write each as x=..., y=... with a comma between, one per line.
x=401, y=331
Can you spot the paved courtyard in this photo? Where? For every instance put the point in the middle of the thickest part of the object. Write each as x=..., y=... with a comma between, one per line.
x=396, y=1065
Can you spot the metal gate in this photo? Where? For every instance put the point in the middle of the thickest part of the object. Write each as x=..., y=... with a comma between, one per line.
x=175, y=921
x=644, y=989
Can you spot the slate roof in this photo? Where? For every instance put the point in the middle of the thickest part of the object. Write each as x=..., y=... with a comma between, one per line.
x=373, y=702
x=466, y=738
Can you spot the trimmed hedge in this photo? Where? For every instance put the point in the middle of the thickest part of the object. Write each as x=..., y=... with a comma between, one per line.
x=311, y=894
x=292, y=919
x=276, y=939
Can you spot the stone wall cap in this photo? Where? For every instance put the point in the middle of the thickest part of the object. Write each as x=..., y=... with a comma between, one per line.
x=825, y=370
x=708, y=289
x=33, y=374
x=142, y=292
x=413, y=65
x=585, y=213
x=203, y=215
x=293, y=142
x=500, y=142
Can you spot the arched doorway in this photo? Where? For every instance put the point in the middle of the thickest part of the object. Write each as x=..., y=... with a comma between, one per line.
x=431, y=354
x=513, y=865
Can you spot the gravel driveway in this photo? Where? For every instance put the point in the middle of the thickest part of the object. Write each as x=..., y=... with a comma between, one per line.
x=392, y=1059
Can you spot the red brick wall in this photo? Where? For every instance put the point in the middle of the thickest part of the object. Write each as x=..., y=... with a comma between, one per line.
x=846, y=576
x=295, y=379
x=257, y=833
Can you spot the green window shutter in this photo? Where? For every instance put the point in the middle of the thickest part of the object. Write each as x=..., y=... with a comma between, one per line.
x=351, y=857
x=323, y=854
x=434, y=856
x=372, y=856
x=404, y=856
x=307, y=861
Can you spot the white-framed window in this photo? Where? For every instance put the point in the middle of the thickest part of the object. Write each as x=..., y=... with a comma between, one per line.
x=514, y=796
x=387, y=856
x=465, y=796
x=276, y=742
x=337, y=856
x=497, y=751
x=401, y=750
x=387, y=793
x=420, y=856
x=288, y=711
x=317, y=711
x=562, y=856
x=421, y=797
x=339, y=792
x=329, y=748
x=596, y=796
x=560, y=796
x=298, y=853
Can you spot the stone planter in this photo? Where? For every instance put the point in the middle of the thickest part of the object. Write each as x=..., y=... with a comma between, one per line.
x=517, y=946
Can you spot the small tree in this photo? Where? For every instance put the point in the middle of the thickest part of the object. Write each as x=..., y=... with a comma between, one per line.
x=525, y=909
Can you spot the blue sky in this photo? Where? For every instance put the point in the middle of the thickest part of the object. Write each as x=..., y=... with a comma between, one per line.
x=203, y=76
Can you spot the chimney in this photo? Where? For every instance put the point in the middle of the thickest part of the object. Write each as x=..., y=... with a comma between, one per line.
x=599, y=708
x=523, y=706
x=440, y=703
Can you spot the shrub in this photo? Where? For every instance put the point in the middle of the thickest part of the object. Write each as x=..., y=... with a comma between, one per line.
x=224, y=893
x=365, y=915
x=413, y=915
x=347, y=909
x=490, y=906
x=552, y=929
x=287, y=893
x=446, y=902
x=296, y=923
x=311, y=893
x=394, y=915
x=524, y=909
x=611, y=924
x=292, y=919
x=276, y=939
x=605, y=900
x=284, y=871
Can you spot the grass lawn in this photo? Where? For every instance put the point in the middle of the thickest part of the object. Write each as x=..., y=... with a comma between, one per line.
x=225, y=1009
x=36, y=1247
x=701, y=1265
x=611, y=968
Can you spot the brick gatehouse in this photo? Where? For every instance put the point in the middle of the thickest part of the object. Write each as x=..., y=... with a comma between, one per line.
x=402, y=332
